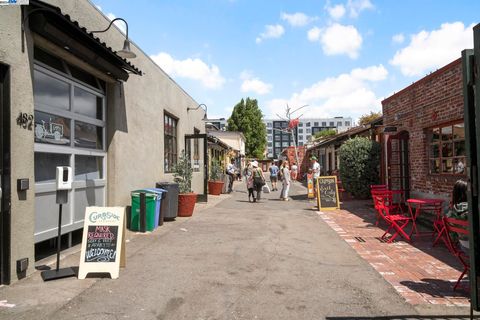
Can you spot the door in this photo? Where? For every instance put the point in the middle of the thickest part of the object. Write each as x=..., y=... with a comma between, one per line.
x=398, y=168
x=196, y=150
x=4, y=175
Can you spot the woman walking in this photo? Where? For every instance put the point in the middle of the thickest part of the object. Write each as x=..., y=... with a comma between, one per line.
x=258, y=180
x=285, y=181
x=249, y=181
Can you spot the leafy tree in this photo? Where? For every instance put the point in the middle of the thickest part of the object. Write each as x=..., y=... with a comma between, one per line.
x=366, y=118
x=325, y=133
x=247, y=118
x=359, y=165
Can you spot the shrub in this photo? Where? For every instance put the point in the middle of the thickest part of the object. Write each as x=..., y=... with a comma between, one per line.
x=215, y=170
x=182, y=173
x=359, y=165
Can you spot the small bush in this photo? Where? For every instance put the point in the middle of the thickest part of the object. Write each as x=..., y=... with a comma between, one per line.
x=359, y=166
x=183, y=173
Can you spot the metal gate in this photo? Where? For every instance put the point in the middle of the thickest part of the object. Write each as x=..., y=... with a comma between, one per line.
x=196, y=150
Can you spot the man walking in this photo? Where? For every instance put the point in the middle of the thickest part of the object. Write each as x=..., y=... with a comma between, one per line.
x=315, y=172
x=273, y=176
x=231, y=174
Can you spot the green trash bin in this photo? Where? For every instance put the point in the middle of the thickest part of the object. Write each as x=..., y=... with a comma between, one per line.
x=150, y=210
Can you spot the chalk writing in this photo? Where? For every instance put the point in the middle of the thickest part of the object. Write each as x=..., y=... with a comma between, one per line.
x=101, y=244
x=104, y=216
x=328, y=192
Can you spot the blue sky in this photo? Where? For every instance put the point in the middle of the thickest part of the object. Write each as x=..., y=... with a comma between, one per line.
x=341, y=58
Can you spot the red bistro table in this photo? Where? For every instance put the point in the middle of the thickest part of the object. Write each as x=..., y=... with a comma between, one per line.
x=415, y=207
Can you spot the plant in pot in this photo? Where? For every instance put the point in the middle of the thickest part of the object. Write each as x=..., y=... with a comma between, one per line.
x=182, y=173
x=215, y=185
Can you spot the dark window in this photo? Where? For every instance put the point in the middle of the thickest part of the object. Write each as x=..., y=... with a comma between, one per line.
x=170, y=142
x=48, y=59
x=332, y=124
x=308, y=124
x=324, y=124
x=315, y=124
x=269, y=131
x=447, y=149
x=300, y=124
x=83, y=76
x=300, y=130
x=339, y=124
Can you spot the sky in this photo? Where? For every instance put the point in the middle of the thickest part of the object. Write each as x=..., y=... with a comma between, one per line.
x=340, y=58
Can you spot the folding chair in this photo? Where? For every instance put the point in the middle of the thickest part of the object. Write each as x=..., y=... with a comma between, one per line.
x=378, y=187
x=387, y=201
x=395, y=221
x=460, y=227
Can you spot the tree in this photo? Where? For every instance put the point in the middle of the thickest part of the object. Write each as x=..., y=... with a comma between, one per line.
x=247, y=118
x=325, y=133
x=366, y=118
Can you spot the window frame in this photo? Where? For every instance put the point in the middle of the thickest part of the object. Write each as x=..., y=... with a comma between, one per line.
x=166, y=153
x=440, y=142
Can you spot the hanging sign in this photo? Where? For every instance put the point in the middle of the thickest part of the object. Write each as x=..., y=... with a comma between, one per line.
x=327, y=193
x=103, y=242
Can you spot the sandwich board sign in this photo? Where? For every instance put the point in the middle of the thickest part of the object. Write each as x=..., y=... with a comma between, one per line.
x=103, y=242
x=327, y=193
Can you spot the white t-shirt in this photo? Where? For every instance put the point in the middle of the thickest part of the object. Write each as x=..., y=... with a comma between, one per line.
x=294, y=168
x=316, y=170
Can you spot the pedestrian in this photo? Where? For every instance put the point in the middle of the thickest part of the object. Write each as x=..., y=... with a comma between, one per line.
x=294, y=171
x=231, y=174
x=249, y=182
x=258, y=180
x=273, y=176
x=285, y=181
x=316, y=172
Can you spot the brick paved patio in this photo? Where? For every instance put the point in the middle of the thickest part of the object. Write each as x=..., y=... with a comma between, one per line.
x=420, y=273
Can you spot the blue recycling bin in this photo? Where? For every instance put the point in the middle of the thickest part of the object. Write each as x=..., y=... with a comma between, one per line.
x=161, y=193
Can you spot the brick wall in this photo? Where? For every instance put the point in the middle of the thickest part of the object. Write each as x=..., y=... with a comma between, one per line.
x=432, y=101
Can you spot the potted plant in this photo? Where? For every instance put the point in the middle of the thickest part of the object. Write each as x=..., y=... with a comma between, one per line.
x=215, y=185
x=182, y=173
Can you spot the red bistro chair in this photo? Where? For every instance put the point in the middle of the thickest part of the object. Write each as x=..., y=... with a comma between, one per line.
x=378, y=187
x=460, y=227
x=387, y=200
x=387, y=211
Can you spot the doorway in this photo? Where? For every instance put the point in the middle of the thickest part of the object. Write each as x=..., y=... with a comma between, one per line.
x=4, y=174
x=196, y=151
x=398, y=167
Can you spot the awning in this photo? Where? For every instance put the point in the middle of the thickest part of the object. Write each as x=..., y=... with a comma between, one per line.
x=50, y=23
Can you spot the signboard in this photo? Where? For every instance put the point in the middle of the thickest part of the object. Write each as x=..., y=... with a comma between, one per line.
x=103, y=243
x=327, y=193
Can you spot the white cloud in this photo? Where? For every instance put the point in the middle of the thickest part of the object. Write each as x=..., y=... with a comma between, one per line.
x=349, y=94
x=336, y=12
x=357, y=6
x=253, y=84
x=271, y=32
x=398, y=38
x=429, y=50
x=314, y=34
x=338, y=39
x=298, y=19
x=194, y=69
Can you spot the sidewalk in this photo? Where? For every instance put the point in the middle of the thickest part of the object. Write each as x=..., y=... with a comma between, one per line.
x=422, y=274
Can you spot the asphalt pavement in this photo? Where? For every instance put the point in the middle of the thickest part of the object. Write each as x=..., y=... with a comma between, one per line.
x=231, y=260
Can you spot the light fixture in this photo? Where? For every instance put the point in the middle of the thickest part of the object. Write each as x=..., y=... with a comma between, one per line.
x=200, y=105
x=125, y=52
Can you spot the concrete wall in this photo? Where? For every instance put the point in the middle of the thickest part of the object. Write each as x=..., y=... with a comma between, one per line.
x=21, y=100
x=135, y=110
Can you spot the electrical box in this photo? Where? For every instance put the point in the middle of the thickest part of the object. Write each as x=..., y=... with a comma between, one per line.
x=64, y=178
x=23, y=184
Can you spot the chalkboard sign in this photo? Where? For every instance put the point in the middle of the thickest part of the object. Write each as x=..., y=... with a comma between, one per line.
x=327, y=193
x=103, y=244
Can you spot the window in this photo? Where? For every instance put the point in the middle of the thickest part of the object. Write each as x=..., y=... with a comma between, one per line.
x=308, y=131
x=332, y=124
x=284, y=124
x=170, y=142
x=308, y=124
x=269, y=124
x=269, y=131
x=269, y=138
x=339, y=124
x=300, y=138
x=270, y=144
x=447, y=149
x=315, y=124
x=324, y=124
x=285, y=144
x=300, y=130
x=278, y=137
x=347, y=123
x=308, y=137
x=300, y=143
x=300, y=124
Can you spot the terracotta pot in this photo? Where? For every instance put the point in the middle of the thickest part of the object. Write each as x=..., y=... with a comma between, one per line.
x=186, y=204
x=215, y=187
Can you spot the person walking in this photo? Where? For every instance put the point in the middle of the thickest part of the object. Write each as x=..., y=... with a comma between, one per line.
x=273, y=175
x=231, y=174
x=285, y=181
x=258, y=180
x=294, y=171
x=249, y=182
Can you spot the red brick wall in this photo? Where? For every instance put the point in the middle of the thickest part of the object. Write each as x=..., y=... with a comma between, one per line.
x=434, y=100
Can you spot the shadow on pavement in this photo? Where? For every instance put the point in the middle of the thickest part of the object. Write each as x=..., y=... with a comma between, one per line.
x=435, y=286
x=406, y=317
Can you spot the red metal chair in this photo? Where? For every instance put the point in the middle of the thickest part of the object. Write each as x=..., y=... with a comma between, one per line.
x=388, y=201
x=378, y=187
x=460, y=227
x=386, y=210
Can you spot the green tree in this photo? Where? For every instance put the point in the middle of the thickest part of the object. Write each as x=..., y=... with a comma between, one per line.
x=325, y=133
x=247, y=118
x=366, y=118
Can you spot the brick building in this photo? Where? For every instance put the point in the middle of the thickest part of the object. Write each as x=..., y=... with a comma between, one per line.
x=424, y=141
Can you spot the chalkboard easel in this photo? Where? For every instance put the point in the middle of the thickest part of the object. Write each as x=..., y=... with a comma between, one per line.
x=327, y=193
